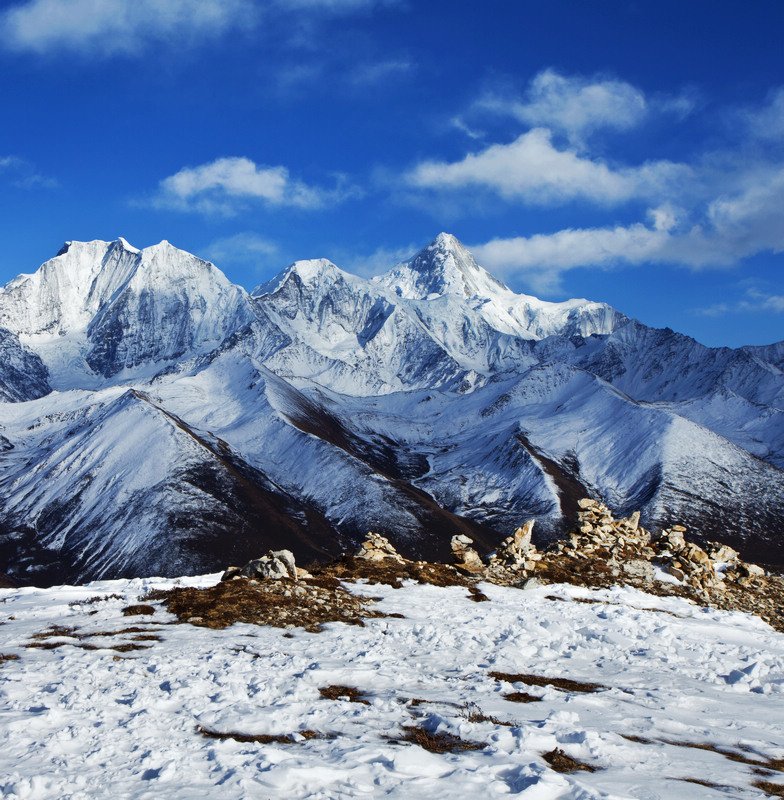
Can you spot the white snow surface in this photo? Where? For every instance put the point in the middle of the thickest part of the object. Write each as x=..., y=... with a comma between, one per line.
x=80, y=724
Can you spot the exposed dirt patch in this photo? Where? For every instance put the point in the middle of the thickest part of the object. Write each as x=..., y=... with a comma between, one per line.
x=393, y=573
x=343, y=693
x=560, y=762
x=138, y=610
x=521, y=697
x=8, y=657
x=773, y=789
x=281, y=603
x=435, y=742
x=263, y=738
x=538, y=680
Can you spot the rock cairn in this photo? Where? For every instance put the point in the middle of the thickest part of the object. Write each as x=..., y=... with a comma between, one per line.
x=465, y=557
x=377, y=548
x=635, y=552
x=517, y=552
x=275, y=565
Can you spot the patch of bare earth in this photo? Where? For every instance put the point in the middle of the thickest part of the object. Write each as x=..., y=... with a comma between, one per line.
x=434, y=742
x=560, y=762
x=565, y=684
x=264, y=738
x=308, y=603
x=348, y=693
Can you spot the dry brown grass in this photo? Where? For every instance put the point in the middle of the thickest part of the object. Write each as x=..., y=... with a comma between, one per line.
x=521, y=697
x=280, y=603
x=393, y=573
x=8, y=657
x=138, y=610
x=560, y=762
x=348, y=693
x=537, y=680
x=264, y=738
x=473, y=713
x=773, y=789
x=435, y=742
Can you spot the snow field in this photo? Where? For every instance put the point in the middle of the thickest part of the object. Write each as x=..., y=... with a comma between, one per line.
x=78, y=723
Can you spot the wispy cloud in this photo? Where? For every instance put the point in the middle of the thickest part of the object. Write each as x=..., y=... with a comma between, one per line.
x=127, y=27
x=534, y=170
x=227, y=186
x=109, y=27
x=243, y=248
x=753, y=301
x=23, y=175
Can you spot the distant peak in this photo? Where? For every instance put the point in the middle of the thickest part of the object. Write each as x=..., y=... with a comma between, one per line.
x=445, y=266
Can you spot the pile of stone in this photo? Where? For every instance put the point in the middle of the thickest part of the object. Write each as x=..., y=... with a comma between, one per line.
x=275, y=565
x=466, y=559
x=626, y=545
x=377, y=548
x=517, y=552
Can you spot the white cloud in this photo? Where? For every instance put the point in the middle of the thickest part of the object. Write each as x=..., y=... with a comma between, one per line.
x=575, y=105
x=227, y=185
x=109, y=27
x=733, y=227
x=532, y=169
x=541, y=260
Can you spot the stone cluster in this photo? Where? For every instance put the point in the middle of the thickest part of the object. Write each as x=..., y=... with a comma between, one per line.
x=517, y=552
x=275, y=565
x=636, y=552
x=466, y=559
x=377, y=548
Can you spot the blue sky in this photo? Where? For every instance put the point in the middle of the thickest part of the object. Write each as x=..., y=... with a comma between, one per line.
x=630, y=152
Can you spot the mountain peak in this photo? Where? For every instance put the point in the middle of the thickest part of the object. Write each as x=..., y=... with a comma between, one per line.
x=445, y=266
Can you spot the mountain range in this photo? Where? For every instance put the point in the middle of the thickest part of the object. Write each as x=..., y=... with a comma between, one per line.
x=157, y=419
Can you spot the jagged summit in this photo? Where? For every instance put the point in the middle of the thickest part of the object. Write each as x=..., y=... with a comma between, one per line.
x=310, y=271
x=445, y=266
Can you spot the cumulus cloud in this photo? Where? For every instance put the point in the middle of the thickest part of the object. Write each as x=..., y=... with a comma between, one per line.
x=575, y=105
x=732, y=227
x=228, y=185
x=532, y=169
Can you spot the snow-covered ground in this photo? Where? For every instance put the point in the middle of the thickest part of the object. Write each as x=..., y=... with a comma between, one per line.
x=95, y=723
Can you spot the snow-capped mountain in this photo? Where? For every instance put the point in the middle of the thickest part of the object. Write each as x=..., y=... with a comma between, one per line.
x=197, y=424
x=102, y=309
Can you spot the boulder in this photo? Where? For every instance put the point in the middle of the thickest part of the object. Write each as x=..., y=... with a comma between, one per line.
x=275, y=565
